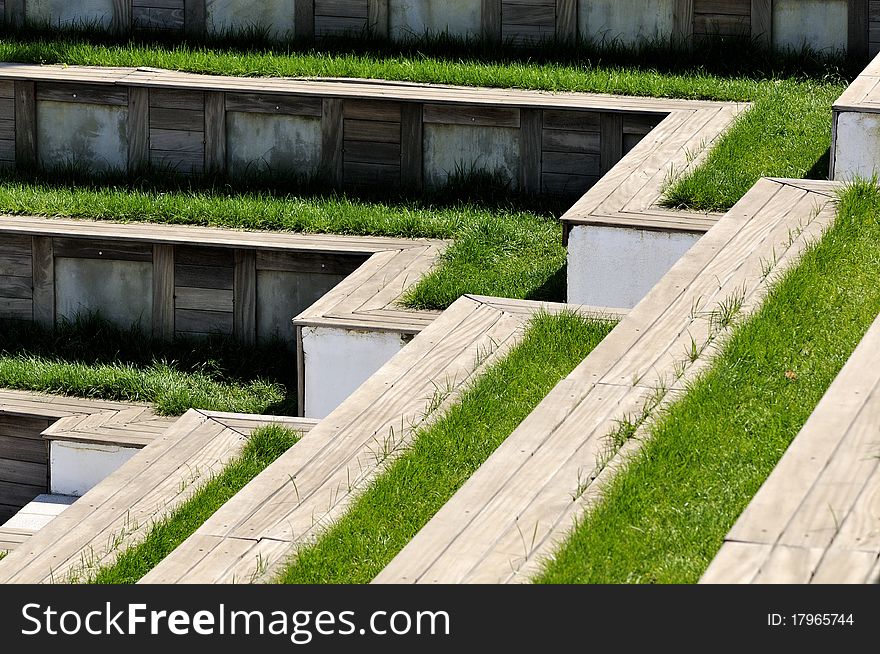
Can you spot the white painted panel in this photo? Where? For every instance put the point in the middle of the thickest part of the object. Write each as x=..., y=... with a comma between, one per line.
x=70, y=12
x=282, y=144
x=338, y=361
x=91, y=135
x=415, y=18
x=617, y=266
x=451, y=148
x=820, y=24
x=857, y=150
x=121, y=291
x=283, y=295
x=276, y=16
x=75, y=468
x=627, y=21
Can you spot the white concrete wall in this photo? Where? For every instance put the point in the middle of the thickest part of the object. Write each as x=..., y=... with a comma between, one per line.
x=857, y=148
x=237, y=15
x=256, y=142
x=122, y=291
x=448, y=148
x=338, y=361
x=75, y=468
x=820, y=24
x=283, y=295
x=93, y=135
x=617, y=266
x=629, y=21
x=415, y=18
x=70, y=12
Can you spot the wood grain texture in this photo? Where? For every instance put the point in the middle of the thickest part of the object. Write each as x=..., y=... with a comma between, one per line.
x=858, y=27
x=245, y=297
x=44, y=281
x=332, y=140
x=25, y=124
x=490, y=20
x=377, y=18
x=82, y=93
x=683, y=20
x=762, y=22
x=163, y=292
x=121, y=21
x=304, y=19
x=274, y=104
x=610, y=141
x=411, y=147
x=215, y=132
x=308, y=262
x=14, y=12
x=530, y=150
x=567, y=20
x=463, y=115
x=80, y=248
x=138, y=128
x=194, y=16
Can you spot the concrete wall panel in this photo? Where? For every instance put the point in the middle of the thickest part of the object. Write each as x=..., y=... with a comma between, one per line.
x=122, y=291
x=260, y=142
x=448, y=148
x=92, y=135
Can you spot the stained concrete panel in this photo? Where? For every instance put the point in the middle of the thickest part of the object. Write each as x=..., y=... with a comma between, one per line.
x=627, y=21
x=277, y=16
x=857, y=148
x=338, y=361
x=283, y=295
x=415, y=18
x=617, y=266
x=122, y=291
x=266, y=142
x=820, y=24
x=91, y=135
x=70, y=12
x=451, y=148
x=76, y=468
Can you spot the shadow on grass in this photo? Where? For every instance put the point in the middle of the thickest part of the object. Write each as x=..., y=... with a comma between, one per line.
x=821, y=168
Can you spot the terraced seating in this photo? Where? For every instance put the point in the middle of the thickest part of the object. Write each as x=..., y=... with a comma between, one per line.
x=32, y=517
x=311, y=486
x=121, y=509
x=512, y=513
x=817, y=517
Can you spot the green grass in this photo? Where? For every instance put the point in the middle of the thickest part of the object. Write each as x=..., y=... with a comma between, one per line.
x=443, y=456
x=264, y=446
x=787, y=133
x=3, y=555
x=664, y=517
x=90, y=358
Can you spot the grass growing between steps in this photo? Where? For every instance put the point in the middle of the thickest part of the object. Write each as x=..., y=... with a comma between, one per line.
x=88, y=357
x=263, y=446
x=444, y=455
x=664, y=517
x=786, y=134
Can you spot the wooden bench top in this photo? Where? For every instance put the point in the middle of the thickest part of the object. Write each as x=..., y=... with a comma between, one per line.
x=313, y=484
x=346, y=88
x=119, y=511
x=863, y=95
x=817, y=517
x=522, y=502
x=44, y=405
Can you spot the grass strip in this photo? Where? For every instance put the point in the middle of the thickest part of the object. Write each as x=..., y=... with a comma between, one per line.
x=663, y=518
x=787, y=133
x=88, y=357
x=444, y=455
x=264, y=445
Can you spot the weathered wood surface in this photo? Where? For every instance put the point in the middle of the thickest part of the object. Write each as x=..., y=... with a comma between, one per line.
x=313, y=484
x=817, y=517
x=545, y=474
x=119, y=511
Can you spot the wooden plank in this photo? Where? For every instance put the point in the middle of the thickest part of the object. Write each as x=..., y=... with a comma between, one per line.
x=245, y=296
x=377, y=18
x=205, y=256
x=203, y=276
x=173, y=140
x=18, y=288
x=14, y=12
x=721, y=25
x=203, y=299
x=683, y=20
x=575, y=121
x=138, y=128
x=332, y=140
x=43, y=262
x=530, y=149
x=351, y=8
x=203, y=322
x=370, y=174
x=16, y=266
x=188, y=120
x=23, y=449
x=177, y=99
x=610, y=141
x=16, y=494
x=555, y=140
x=308, y=262
x=471, y=115
x=22, y=427
x=215, y=132
x=274, y=103
x=382, y=110
x=857, y=29
x=163, y=292
x=371, y=131
x=23, y=472
x=531, y=15
x=15, y=309
x=25, y=124
x=572, y=163
x=411, y=147
x=121, y=20
x=567, y=20
x=490, y=20
x=82, y=93
x=79, y=248
x=762, y=22
x=387, y=154
x=304, y=19
x=194, y=17
x=566, y=185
